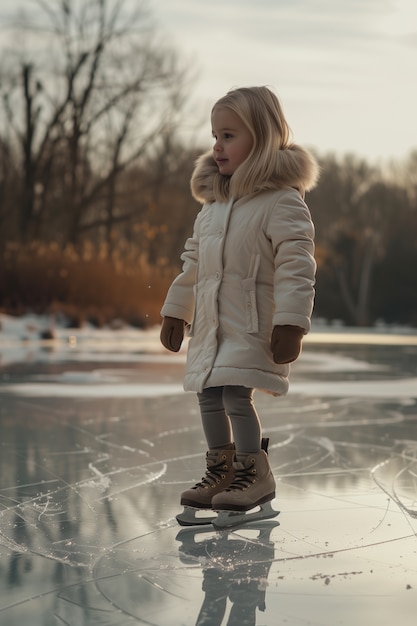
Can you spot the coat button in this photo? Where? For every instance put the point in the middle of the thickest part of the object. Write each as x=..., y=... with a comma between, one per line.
x=218, y=275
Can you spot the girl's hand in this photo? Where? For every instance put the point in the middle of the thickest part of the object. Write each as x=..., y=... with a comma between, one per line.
x=172, y=333
x=286, y=343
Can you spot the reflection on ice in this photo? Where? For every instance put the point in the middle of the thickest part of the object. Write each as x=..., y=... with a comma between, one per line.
x=235, y=568
x=91, y=466
x=334, y=375
x=86, y=390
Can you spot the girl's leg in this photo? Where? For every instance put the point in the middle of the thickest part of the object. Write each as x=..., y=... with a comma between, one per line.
x=216, y=423
x=253, y=484
x=219, y=457
x=239, y=406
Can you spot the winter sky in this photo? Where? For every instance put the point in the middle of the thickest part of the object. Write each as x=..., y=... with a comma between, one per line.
x=345, y=70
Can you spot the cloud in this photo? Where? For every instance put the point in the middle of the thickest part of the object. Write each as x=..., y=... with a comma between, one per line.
x=291, y=23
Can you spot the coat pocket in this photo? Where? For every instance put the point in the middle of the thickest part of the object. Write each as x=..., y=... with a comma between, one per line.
x=249, y=292
x=190, y=330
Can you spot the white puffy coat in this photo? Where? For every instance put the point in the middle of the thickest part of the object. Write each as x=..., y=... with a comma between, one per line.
x=248, y=267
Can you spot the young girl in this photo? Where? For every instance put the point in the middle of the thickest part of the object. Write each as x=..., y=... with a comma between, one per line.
x=246, y=293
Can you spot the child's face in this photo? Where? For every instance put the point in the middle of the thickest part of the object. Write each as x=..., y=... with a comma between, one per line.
x=233, y=140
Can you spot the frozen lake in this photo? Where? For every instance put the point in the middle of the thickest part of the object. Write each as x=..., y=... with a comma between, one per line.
x=98, y=440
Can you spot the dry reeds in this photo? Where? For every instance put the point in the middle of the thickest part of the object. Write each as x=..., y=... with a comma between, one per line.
x=85, y=284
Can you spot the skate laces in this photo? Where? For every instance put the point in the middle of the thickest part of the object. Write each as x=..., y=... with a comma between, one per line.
x=244, y=476
x=214, y=473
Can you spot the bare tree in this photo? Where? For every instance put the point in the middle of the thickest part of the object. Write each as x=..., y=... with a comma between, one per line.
x=95, y=98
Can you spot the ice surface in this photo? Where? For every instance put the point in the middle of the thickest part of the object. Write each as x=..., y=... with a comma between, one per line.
x=97, y=442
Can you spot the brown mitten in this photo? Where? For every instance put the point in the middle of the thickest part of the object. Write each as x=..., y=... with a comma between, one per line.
x=286, y=343
x=172, y=333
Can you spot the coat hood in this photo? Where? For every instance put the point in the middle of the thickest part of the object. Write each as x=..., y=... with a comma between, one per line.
x=294, y=167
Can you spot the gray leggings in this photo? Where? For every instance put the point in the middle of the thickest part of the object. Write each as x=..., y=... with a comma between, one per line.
x=228, y=414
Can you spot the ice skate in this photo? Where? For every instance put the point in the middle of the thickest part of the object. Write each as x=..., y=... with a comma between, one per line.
x=197, y=499
x=253, y=487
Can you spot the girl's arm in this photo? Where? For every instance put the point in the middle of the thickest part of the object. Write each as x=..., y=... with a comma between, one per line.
x=179, y=302
x=291, y=232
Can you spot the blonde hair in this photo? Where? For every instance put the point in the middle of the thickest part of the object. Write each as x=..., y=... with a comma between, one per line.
x=273, y=162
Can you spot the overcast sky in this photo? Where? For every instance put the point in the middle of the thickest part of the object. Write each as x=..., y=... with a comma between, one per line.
x=345, y=70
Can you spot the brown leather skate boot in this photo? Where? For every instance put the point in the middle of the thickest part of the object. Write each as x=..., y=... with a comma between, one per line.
x=253, y=485
x=219, y=474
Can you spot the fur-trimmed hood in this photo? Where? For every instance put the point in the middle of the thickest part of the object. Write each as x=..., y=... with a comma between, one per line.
x=295, y=167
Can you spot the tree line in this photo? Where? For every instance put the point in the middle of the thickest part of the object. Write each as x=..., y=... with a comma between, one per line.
x=366, y=221
x=91, y=156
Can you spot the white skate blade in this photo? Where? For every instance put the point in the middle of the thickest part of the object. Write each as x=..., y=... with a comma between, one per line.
x=190, y=517
x=231, y=519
